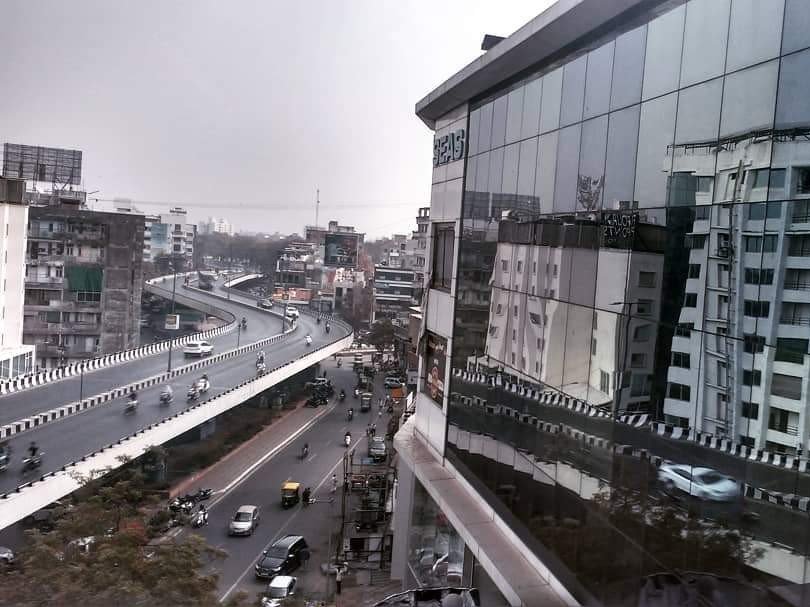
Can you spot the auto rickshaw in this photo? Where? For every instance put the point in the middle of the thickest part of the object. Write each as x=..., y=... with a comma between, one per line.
x=365, y=401
x=290, y=494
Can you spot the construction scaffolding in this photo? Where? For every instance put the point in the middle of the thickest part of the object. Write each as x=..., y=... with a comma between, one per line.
x=366, y=507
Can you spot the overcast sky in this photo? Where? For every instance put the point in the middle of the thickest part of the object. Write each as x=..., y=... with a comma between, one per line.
x=243, y=108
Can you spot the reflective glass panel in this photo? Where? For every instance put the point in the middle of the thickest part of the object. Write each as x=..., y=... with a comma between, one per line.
x=755, y=32
x=796, y=34
x=748, y=99
x=664, y=40
x=550, y=106
x=565, y=186
x=546, y=170
x=530, y=124
x=628, y=68
x=527, y=167
x=656, y=133
x=573, y=91
x=699, y=112
x=620, y=165
x=591, y=178
x=514, y=114
x=793, y=98
x=485, y=128
x=704, y=45
x=499, y=121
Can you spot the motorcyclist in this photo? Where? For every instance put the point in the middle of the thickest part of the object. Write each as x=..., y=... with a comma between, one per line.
x=307, y=495
x=351, y=414
x=309, y=339
x=33, y=449
x=305, y=451
x=342, y=394
x=348, y=438
x=260, y=356
x=166, y=393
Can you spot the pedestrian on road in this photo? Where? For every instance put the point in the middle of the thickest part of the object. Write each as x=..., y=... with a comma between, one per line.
x=373, y=429
x=380, y=414
x=334, y=483
x=339, y=578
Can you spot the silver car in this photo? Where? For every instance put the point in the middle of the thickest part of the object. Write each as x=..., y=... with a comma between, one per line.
x=6, y=556
x=244, y=521
x=702, y=483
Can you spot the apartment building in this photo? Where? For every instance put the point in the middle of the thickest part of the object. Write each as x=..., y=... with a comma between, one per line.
x=83, y=283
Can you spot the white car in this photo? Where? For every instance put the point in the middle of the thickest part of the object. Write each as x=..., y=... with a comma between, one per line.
x=281, y=587
x=291, y=312
x=702, y=483
x=198, y=348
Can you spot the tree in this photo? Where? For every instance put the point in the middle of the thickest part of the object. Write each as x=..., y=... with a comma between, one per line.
x=120, y=565
x=382, y=334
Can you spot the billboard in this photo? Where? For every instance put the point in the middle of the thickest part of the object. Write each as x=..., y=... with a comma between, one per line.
x=341, y=250
x=292, y=295
x=436, y=365
x=35, y=163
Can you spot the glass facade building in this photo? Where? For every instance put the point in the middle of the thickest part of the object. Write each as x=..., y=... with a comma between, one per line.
x=627, y=325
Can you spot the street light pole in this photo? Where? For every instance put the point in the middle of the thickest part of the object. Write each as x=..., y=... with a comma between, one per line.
x=238, y=333
x=81, y=381
x=174, y=290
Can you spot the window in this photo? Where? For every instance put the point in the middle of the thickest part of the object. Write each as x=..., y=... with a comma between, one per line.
x=647, y=279
x=504, y=265
x=722, y=373
x=750, y=410
x=690, y=300
x=802, y=180
x=769, y=243
x=762, y=210
x=642, y=333
x=514, y=334
x=554, y=273
x=801, y=211
x=694, y=270
x=640, y=384
x=752, y=378
x=753, y=344
x=791, y=350
x=534, y=267
x=695, y=241
x=593, y=347
x=534, y=318
x=679, y=391
x=493, y=331
x=786, y=386
x=519, y=266
x=799, y=245
x=498, y=309
x=722, y=405
x=638, y=359
x=644, y=307
x=443, y=247
x=540, y=343
x=702, y=213
x=757, y=309
x=684, y=329
x=752, y=244
x=516, y=311
x=680, y=359
x=88, y=296
x=604, y=382
x=747, y=441
x=755, y=276
x=779, y=420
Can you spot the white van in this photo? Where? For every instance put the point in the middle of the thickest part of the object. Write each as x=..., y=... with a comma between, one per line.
x=291, y=312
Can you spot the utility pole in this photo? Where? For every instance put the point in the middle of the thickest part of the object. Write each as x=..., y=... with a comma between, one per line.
x=317, y=205
x=174, y=290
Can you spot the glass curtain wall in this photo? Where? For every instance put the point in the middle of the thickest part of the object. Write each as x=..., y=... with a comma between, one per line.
x=630, y=371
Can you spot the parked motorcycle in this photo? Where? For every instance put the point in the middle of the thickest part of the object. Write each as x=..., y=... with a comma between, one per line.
x=200, y=496
x=200, y=518
x=181, y=505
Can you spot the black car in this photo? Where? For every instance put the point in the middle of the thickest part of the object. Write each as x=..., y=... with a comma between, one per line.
x=282, y=557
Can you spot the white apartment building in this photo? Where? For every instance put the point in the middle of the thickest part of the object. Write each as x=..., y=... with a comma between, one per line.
x=169, y=234
x=216, y=225
x=16, y=358
x=744, y=329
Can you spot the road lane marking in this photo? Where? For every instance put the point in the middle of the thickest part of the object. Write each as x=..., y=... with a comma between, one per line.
x=250, y=567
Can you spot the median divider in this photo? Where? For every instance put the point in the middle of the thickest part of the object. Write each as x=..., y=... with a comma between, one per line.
x=33, y=380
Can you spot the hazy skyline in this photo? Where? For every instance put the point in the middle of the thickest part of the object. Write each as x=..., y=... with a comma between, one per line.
x=244, y=109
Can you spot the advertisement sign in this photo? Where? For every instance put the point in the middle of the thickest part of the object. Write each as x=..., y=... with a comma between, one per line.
x=36, y=163
x=341, y=250
x=172, y=322
x=292, y=295
x=436, y=364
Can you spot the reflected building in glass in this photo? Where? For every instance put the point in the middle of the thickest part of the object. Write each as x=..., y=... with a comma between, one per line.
x=614, y=408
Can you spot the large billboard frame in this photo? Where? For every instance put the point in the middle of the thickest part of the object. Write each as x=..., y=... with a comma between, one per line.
x=37, y=163
x=341, y=250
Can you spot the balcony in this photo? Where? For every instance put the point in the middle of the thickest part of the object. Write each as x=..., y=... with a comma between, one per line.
x=44, y=282
x=795, y=320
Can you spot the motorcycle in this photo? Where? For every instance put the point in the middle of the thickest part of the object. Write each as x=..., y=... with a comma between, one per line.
x=347, y=440
x=203, y=384
x=200, y=519
x=328, y=328
x=342, y=396
x=201, y=495
x=32, y=462
x=193, y=393
x=244, y=324
x=350, y=414
x=304, y=452
x=306, y=496
x=339, y=363
x=260, y=368
x=181, y=505
x=166, y=397
x=309, y=340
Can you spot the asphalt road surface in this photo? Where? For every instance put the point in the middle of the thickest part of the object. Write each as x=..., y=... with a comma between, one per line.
x=263, y=488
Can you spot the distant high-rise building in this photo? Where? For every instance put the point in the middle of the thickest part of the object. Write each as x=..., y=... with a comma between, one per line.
x=216, y=225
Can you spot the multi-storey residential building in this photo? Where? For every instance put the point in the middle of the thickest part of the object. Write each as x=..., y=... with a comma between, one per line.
x=614, y=370
x=83, y=282
x=416, y=249
x=393, y=293
x=16, y=358
x=216, y=225
x=169, y=235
